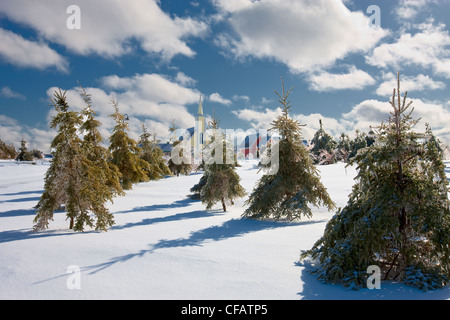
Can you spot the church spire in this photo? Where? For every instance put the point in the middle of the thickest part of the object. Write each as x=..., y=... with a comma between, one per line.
x=200, y=106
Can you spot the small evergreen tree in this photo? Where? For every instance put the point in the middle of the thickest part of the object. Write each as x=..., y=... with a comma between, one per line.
x=288, y=193
x=153, y=155
x=79, y=176
x=397, y=216
x=360, y=142
x=343, y=148
x=323, y=146
x=101, y=178
x=63, y=179
x=221, y=180
x=24, y=154
x=125, y=153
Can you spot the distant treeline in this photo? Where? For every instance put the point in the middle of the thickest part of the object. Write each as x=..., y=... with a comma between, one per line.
x=8, y=151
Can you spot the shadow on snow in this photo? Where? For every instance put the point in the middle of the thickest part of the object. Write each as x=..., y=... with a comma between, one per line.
x=229, y=229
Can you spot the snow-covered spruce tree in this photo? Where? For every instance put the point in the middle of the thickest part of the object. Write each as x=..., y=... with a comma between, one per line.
x=64, y=177
x=343, y=148
x=397, y=216
x=101, y=178
x=222, y=181
x=24, y=154
x=296, y=185
x=153, y=155
x=125, y=153
x=359, y=142
x=323, y=146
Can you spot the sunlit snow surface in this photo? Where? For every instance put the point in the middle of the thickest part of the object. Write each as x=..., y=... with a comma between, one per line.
x=167, y=246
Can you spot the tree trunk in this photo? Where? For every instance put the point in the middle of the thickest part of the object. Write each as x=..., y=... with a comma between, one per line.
x=223, y=205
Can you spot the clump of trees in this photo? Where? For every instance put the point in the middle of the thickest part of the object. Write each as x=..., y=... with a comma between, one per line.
x=7, y=151
x=83, y=174
x=326, y=150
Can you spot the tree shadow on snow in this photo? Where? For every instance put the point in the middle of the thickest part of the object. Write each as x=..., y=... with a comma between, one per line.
x=164, y=206
x=175, y=217
x=229, y=229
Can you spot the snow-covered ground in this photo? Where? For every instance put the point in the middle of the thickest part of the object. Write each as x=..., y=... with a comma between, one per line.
x=166, y=246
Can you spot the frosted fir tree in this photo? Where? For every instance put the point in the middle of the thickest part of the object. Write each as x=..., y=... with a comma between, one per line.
x=24, y=154
x=323, y=145
x=289, y=193
x=397, y=216
x=125, y=153
x=221, y=181
x=63, y=179
x=101, y=178
x=343, y=148
x=153, y=155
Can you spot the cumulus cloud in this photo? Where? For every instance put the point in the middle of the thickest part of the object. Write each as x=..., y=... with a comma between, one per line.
x=301, y=34
x=409, y=9
x=151, y=98
x=7, y=92
x=373, y=112
x=410, y=84
x=354, y=79
x=108, y=28
x=428, y=48
x=21, y=52
x=12, y=131
x=216, y=97
x=362, y=116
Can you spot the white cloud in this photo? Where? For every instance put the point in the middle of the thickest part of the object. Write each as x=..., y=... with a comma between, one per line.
x=428, y=48
x=373, y=112
x=11, y=131
x=258, y=119
x=301, y=34
x=216, y=97
x=243, y=97
x=152, y=98
x=354, y=79
x=108, y=28
x=262, y=119
x=410, y=84
x=29, y=54
x=185, y=80
x=366, y=114
x=8, y=93
x=409, y=9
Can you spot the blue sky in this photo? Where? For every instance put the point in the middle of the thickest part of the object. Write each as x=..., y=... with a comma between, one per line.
x=157, y=57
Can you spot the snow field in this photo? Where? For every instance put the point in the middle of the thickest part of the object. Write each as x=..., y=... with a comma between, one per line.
x=167, y=246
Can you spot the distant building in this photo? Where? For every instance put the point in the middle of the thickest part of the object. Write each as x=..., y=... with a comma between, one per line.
x=196, y=134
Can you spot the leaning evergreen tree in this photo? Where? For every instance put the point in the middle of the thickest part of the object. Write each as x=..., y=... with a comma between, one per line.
x=125, y=153
x=397, y=216
x=63, y=179
x=101, y=178
x=153, y=155
x=222, y=183
x=296, y=185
